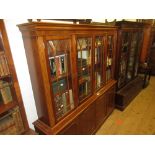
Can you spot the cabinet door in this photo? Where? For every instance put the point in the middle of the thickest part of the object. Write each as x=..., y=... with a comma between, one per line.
x=99, y=61
x=84, y=62
x=72, y=129
x=87, y=121
x=109, y=57
x=101, y=110
x=110, y=100
x=132, y=55
x=61, y=78
x=137, y=54
x=7, y=92
x=124, y=51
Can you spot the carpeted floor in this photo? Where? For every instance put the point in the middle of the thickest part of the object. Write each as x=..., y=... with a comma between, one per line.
x=137, y=119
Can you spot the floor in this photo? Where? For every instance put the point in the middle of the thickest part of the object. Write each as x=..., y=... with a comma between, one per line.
x=137, y=119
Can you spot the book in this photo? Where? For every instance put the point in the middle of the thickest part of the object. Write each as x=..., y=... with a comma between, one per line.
x=4, y=69
x=5, y=92
x=6, y=65
x=98, y=80
x=52, y=66
x=64, y=102
x=18, y=120
x=57, y=62
x=71, y=99
x=63, y=63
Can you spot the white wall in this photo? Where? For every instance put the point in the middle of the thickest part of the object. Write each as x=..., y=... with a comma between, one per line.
x=19, y=57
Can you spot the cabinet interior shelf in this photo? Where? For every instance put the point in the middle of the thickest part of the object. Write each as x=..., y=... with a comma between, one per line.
x=6, y=107
x=54, y=79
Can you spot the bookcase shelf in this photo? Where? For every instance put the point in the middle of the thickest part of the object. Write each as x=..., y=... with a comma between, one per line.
x=12, y=114
x=67, y=105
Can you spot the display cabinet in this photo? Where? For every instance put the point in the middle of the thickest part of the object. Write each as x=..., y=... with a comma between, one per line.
x=12, y=114
x=130, y=38
x=72, y=73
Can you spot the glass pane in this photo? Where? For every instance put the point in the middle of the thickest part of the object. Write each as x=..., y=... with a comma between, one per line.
x=99, y=58
x=6, y=95
x=109, y=58
x=84, y=47
x=58, y=52
x=138, y=53
x=123, y=58
x=131, y=61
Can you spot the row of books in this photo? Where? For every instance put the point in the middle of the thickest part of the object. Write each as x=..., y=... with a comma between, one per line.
x=4, y=69
x=58, y=65
x=5, y=92
x=11, y=123
x=97, y=55
x=84, y=89
x=64, y=103
x=109, y=61
x=108, y=74
x=98, y=79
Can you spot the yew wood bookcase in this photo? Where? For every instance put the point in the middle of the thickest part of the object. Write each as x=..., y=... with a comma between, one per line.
x=72, y=73
x=129, y=47
x=12, y=114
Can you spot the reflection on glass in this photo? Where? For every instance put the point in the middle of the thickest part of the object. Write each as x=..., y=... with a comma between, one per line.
x=99, y=58
x=109, y=58
x=84, y=46
x=123, y=59
x=137, y=53
x=132, y=53
x=58, y=52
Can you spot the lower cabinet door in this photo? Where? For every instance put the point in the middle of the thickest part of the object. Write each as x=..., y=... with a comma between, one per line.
x=110, y=99
x=87, y=121
x=71, y=129
x=101, y=110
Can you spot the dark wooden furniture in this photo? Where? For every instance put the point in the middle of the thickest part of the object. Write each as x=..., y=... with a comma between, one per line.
x=145, y=72
x=11, y=105
x=151, y=53
x=72, y=73
x=130, y=37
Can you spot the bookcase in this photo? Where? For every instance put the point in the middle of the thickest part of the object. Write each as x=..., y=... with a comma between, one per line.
x=130, y=41
x=12, y=115
x=72, y=72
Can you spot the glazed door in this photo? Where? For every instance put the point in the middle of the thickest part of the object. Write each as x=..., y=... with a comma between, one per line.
x=84, y=66
x=59, y=53
x=132, y=56
x=124, y=52
x=99, y=61
x=137, y=55
x=7, y=95
x=110, y=57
